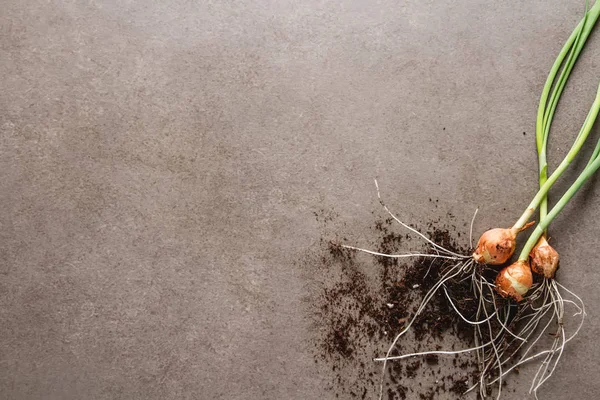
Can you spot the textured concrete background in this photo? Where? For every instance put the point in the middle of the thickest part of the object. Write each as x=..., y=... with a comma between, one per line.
x=161, y=162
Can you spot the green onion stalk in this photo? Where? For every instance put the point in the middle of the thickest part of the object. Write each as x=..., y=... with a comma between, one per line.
x=515, y=280
x=548, y=102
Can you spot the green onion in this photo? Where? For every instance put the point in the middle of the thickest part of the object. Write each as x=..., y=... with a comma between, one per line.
x=515, y=280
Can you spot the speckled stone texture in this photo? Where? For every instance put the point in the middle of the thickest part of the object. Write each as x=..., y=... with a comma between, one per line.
x=161, y=163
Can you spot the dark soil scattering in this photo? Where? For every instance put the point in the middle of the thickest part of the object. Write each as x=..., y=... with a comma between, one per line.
x=365, y=301
x=411, y=369
x=432, y=359
x=459, y=386
x=428, y=395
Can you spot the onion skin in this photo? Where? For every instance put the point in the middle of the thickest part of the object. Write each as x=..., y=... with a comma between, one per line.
x=544, y=259
x=496, y=246
x=515, y=280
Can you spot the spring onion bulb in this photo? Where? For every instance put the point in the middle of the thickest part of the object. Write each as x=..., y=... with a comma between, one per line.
x=497, y=245
x=544, y=259
x=515, y=280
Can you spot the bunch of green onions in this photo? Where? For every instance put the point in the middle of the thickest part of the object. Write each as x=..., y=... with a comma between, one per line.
x=515, y=282
x=515, y=279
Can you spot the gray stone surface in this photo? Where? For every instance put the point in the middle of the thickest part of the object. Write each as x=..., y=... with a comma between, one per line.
x=161, y=163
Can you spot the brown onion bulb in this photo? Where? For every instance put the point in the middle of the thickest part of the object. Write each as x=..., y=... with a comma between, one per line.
x=544, y=259
x=515, y=280
x=497, y=245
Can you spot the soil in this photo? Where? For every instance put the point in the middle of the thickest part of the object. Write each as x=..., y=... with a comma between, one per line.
x=365, y=300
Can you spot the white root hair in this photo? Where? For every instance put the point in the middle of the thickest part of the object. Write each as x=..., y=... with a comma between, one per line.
x=458, y=265
x=545, y=301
